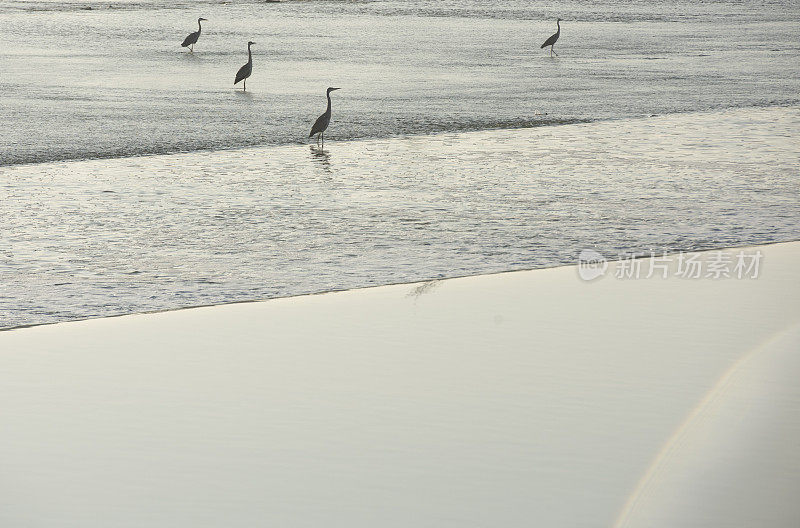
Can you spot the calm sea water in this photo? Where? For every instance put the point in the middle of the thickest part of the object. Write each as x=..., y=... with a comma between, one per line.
x=114, y=81
x=476, y=150
x=131, y=234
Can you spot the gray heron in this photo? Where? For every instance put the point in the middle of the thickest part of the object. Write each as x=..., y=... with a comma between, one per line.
x=191, y=38
x=322, y=122
x=245, y=71
x=553, y=38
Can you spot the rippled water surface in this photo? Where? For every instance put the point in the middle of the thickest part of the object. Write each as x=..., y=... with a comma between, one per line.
x=102, y=237
x=457, y=145
x=113, y=80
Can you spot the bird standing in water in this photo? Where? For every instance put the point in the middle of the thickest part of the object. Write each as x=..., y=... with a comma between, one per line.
x=322, y=122
x=553, y=38
x=245, y=71
x=191, y=38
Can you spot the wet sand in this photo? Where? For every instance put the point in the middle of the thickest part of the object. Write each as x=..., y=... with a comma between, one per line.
x=481, y=401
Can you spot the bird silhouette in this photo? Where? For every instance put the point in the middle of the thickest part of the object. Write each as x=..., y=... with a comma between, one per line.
x=322, y=122
x=245, y=71
x=553, y=38
x=191, y=38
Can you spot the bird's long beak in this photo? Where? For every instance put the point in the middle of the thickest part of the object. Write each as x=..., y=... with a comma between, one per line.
x=332, y=89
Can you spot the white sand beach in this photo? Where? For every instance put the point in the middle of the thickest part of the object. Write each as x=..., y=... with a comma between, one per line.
x=520, y=398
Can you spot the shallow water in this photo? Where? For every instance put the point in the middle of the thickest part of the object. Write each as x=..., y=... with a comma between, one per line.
x=114, y=81
x=431, y=189
x=104, y=237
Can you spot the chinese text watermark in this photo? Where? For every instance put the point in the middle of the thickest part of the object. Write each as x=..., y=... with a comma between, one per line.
x=715, y=265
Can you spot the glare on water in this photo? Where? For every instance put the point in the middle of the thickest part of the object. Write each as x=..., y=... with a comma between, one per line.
x=114, y=80
x=104, y=237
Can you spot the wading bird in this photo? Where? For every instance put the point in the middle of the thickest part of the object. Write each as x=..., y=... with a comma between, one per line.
x=191, y=38
x=245, y=71
x=553, y=38
x=323, y=121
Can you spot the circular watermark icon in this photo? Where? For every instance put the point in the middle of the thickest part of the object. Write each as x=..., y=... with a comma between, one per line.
x=591, y=264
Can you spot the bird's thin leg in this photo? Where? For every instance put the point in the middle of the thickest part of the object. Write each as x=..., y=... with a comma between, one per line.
x=191, y=48
x=554, y=51
x=323, y=140
x=244, y=88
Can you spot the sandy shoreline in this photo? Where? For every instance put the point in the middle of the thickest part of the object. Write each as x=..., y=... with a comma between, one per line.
x=477, y=401
x=728, y=249
x=132, y=235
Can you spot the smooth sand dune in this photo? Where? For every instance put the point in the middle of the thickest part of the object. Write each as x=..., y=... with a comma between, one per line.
x=525, y=398
x=736, y=460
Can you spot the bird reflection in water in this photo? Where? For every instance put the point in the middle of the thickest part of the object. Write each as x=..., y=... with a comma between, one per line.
x=321, y=157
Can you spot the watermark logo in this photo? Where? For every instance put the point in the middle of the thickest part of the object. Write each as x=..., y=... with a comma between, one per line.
x=591, y=264
x=714, y=265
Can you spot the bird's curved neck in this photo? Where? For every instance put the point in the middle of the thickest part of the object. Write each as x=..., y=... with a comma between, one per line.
x=249, y=54
x=199, y=27
x=328, y=111
x=558, y=23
